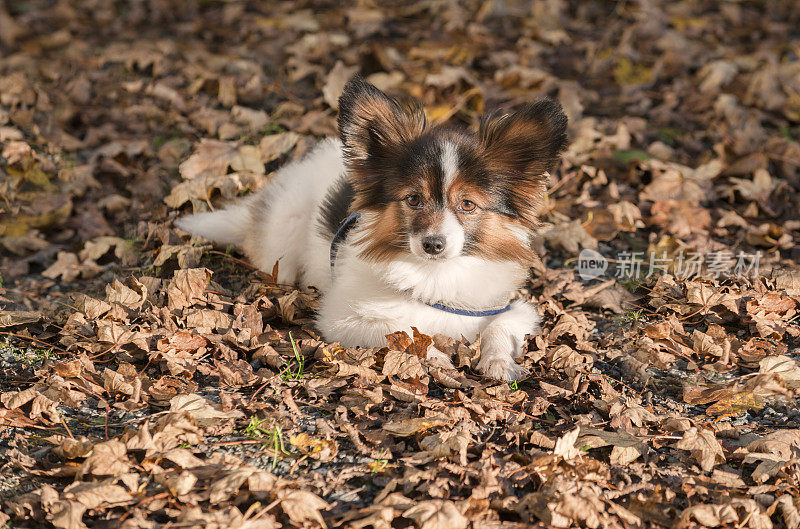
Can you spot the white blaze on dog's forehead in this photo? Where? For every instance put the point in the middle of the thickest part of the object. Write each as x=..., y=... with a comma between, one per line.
x=449, y=165
x=453, y=232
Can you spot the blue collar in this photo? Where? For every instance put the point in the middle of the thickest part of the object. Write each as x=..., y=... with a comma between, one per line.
x=350, y=222
x=475, y=313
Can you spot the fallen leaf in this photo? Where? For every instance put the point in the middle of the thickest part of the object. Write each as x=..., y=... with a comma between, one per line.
x=321, y=449
x=97, y=248
x=9, y=318
x=69, y=268
x=703, y=445
x=201, y=410
x=188, y=287
x=276, y=145
x=334, y=84
x=408, y=427
x=301, y=506
x=565, y=445
x=107, y=459
x=436, y=514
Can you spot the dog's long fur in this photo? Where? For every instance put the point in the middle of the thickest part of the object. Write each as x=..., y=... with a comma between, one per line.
x=446, y=217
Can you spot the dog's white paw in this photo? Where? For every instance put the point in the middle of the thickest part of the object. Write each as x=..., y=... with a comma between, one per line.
x=501, y=367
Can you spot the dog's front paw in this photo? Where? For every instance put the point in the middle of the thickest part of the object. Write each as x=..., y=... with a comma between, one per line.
x=499, y=348
x=501, y=367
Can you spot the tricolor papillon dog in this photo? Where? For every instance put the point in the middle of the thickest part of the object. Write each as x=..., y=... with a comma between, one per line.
x=401, y=224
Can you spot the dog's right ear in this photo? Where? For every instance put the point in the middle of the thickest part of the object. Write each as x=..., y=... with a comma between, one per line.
x=372, y=123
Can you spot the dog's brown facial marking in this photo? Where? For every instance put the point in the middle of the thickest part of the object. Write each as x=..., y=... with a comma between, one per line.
x=385, y=235
x=461, y=190
x=438, y=193
x=488, y=233
x=496, y=239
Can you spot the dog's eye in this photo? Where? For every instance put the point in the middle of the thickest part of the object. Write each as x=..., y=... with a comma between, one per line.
x=467, y=205
x=413, y=200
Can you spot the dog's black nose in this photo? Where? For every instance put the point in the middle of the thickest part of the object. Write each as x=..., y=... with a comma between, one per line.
x=433, y=244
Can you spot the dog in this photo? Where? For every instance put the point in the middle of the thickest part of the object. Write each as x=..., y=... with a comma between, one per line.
x=399, y=223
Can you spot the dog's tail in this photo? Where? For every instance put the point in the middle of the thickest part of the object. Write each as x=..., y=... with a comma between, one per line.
x=226, y=226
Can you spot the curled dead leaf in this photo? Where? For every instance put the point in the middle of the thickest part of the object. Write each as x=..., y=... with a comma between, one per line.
x=703, y=445
x=436, y=514
x=201, y=410
x=301, y=506
x=409, y=427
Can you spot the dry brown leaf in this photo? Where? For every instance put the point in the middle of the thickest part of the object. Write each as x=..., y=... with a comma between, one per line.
x=570, y=236
x=565, y=445
x=97, y=248
x=188, y=287
x=67, y=515
x=681, y=219
x=448, y=442
x=601, y=224
x=436, y=514
x=228, y=485
x=201, y=410
x=211, y=158
x=131, y=296
x=107, y=459
x=9, y=318
x=182, y=341
x=334, y=84
x=709, y=515
x=276, y=145
x=116, y=383
x=784, y=444
x=736, y=403
x=178, y=484
x=626, y=447
x=786, y=368
x=96, y=494
x=198, y=190
x=14, y=399
x=408, y=427
x=790, y=509
x=703, y=445
x=301, y=506
x=402, y=365
x=74, y=448
x=68, y=267
x=321, y=449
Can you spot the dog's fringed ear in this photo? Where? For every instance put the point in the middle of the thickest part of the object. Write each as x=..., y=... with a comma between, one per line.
x=372, y=123
x=521, y=147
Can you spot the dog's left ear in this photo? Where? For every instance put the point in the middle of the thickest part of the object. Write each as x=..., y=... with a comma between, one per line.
x=372, y=123
x=527, y=142
x=521, y=147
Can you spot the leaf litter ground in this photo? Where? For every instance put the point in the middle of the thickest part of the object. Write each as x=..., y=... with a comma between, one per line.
x=152, y=381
